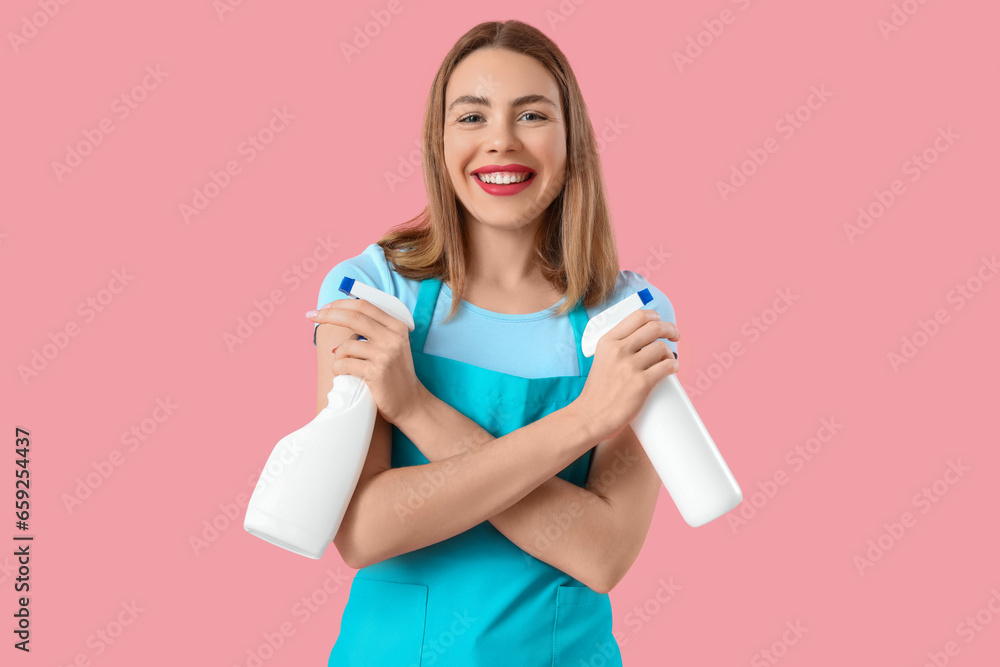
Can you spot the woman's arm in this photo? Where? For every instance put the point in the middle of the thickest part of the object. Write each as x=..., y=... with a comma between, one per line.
x=397, y=510
x=594, y=534
x=403, y=509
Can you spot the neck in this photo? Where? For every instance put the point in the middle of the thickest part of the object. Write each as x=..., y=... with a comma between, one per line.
x=503, y=259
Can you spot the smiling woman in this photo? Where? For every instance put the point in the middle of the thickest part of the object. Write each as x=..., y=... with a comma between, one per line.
x=481, y=525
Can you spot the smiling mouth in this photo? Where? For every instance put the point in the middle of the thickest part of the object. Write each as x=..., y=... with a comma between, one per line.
x=504, y=178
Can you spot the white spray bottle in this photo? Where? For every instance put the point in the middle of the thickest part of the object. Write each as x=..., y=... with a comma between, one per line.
x=672, y=434
x=310, y=476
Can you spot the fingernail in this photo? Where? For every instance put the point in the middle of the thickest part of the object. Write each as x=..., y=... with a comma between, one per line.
x=327, y=305
x=312, y=313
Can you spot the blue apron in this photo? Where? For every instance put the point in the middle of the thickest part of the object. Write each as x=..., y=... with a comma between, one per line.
x=477, y=599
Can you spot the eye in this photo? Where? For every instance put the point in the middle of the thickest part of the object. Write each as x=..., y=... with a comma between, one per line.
x=476, y=115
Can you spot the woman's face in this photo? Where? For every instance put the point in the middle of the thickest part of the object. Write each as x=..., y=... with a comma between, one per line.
x=490, y=131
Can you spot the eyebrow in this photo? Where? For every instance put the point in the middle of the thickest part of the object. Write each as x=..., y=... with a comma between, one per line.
x=533, y=98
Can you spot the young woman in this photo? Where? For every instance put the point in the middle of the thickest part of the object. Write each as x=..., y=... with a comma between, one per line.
x=504, y=493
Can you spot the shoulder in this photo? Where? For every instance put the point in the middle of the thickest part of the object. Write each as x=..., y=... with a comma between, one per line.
x=660, y=303
x=369, y=266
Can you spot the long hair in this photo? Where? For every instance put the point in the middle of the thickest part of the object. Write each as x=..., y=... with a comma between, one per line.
x=575, y=244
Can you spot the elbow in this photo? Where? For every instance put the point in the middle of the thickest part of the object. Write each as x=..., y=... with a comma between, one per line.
x=608, y=578
x=354, y=554
x=603, y=590
x=613, y=567
x=604, y=575
x=349, y=557
x=354, y=559
x=350, y=551
x=351, y=561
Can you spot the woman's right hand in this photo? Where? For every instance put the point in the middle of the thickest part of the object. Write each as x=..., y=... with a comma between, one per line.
x=628, y=362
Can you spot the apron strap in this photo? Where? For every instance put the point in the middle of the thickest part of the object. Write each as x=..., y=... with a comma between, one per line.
x=423, y=311
x=578, y=318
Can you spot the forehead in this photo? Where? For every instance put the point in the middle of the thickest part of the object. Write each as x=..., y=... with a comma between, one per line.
x=500, y=75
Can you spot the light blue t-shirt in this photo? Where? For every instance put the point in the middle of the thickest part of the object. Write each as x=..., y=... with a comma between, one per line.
x=530, y=345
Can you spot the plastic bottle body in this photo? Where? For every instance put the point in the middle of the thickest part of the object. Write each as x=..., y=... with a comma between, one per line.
x=311, y=474
x=684, y=455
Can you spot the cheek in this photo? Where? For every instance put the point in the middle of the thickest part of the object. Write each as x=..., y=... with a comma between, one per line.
x=552, y=150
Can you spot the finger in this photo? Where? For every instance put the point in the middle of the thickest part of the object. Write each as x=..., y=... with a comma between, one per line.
x=631, y=323
x=349, y=366
x=646, y=334
x=372, y=311
x=353, y=348
x=358, y=315
x=669, y=331
x=664, y=368
x=653, y=354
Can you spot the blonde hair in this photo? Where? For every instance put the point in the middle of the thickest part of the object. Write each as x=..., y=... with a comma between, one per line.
x=575, y=244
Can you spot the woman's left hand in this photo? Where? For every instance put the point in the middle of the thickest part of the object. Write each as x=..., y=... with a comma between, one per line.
x=383, y=361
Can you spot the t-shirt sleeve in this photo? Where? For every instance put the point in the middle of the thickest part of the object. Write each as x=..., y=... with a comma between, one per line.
x=369, y=267
x=660, y=303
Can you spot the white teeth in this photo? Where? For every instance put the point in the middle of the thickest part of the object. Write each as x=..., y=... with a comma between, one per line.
x=504, y=177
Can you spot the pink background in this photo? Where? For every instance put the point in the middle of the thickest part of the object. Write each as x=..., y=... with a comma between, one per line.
x=322, y=180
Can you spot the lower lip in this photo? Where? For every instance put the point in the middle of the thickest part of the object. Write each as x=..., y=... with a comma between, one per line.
x=502, y=190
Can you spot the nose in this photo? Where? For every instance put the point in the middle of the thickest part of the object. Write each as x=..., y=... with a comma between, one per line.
x=503, y=136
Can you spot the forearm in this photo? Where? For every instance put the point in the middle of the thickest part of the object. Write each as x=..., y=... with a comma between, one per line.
x=406, y=508
x=565, y=525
